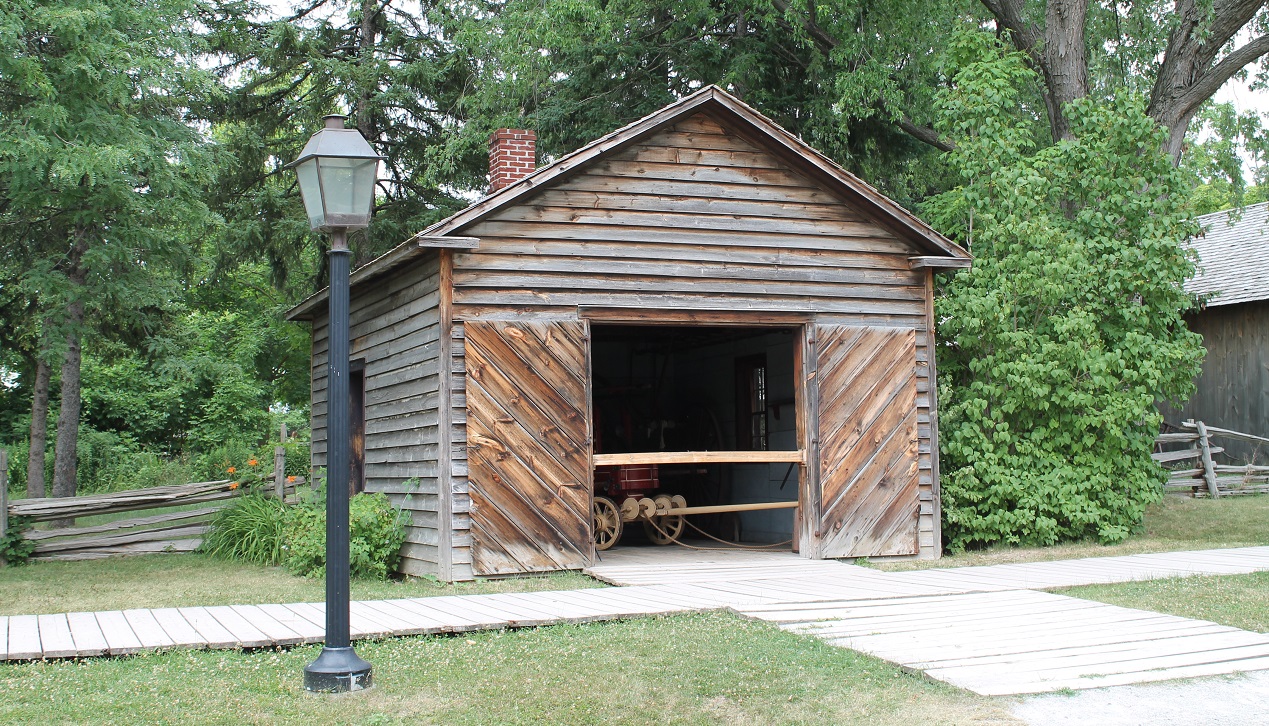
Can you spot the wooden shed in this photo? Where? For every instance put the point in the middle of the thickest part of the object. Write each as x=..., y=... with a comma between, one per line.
x=1233, y=280
x=697, y=305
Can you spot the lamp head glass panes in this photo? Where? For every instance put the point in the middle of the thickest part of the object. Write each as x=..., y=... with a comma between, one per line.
x=337, y=171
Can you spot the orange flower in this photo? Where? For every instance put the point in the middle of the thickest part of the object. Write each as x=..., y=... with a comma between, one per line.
x=290, y=479
x=231, y=470
x=252, y=462
x=233, y=486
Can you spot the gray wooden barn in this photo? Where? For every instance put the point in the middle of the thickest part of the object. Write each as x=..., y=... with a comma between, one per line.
x=697, y=310
x=1233, y=278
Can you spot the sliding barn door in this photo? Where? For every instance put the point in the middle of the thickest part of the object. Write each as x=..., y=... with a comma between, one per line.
x=528, y=438
x=868, y=441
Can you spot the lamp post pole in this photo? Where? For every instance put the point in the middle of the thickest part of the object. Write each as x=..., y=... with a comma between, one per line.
x=336, y=173
x=338, y=668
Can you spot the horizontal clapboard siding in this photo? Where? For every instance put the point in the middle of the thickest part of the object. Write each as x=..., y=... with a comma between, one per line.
x=694, y=217
x=395, y=328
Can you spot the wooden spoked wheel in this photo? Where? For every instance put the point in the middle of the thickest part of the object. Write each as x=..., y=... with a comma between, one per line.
x=606, y=520
x=665, y=529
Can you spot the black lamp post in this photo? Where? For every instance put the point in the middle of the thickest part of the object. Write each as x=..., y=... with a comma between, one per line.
x=337, y=171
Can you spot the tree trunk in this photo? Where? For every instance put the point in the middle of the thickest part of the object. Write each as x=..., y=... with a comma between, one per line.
x=39, y=428
x=1065, y=60
x=65, y=453
x=367, y=36
x=1190, y=73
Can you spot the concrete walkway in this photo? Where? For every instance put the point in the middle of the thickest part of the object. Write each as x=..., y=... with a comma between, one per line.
x=981, y=628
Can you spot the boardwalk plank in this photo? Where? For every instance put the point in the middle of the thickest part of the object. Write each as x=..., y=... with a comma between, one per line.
x=305, y=630
x=183, y=634
x=209, y=628
x=147, y=629
x=247, y=635
x=120, y=640
x=277, y=632
x=86, y=632
x=55, y=637
x=24, y=637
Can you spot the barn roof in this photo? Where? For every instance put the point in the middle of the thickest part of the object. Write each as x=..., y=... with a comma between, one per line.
x=713, y=100
x=1233, y=251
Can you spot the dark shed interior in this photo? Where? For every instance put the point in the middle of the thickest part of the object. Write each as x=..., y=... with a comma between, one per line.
x=699, y=388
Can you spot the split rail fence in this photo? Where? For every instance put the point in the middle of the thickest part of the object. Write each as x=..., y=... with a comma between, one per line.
x=1206, y=477
x=179, y=528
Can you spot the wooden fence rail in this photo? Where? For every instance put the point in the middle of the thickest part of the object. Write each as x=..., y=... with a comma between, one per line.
x=1209, y=478
x=169, y=531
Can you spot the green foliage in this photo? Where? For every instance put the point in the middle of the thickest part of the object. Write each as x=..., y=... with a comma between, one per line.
x=376, y=533
x=15, y=549
x=251, y=529
x=1221, y=143
x=260, y=529
x=1059, y=341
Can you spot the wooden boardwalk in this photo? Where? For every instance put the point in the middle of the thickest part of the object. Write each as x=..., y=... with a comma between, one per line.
x=1022, y=641
x=981, y=628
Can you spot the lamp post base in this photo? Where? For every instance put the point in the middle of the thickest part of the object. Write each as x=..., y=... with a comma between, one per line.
x=337, y=670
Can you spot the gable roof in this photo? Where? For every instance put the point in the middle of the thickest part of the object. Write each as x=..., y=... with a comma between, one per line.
x=1233, y=251
x=739, y=117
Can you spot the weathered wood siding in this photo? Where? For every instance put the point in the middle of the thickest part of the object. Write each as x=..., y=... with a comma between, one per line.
x=867, y=431
x=395, y=328
x=528, y=446
x=698, y=217
x=1233, y=389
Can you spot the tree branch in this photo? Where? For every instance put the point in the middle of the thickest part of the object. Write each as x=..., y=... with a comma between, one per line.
x=925, y=134
x=1207, y=84
x=823, y=39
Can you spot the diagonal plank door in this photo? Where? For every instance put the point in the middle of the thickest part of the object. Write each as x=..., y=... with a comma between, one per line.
x=868, y=441
x=528, y=438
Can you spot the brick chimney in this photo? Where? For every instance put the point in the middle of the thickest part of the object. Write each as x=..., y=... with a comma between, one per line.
x=512, y=156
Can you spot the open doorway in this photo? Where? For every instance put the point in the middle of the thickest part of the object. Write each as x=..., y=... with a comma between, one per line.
x=694, y=417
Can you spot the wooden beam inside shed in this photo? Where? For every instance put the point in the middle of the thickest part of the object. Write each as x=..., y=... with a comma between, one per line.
x=725, y=508
x=702, y=457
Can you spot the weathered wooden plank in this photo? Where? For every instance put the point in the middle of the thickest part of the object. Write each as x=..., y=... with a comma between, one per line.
x=154, y=534
x=850, y=237
x=692, y=221
x=147, y=629
x=659, y=153
x=55, y=637
x=115, y=628
x=151, y=498
x=244, y=633
x=86, y=632
x=503, y=250
x=271, y=627
x=701, y=457
x=520, y=298
x=637, y=263
x=173, y=622
x=686, y=282
x=24, y=637
x=624, y=201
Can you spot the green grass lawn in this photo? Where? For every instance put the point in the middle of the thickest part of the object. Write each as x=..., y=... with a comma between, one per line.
x=174, y=580
x=692, y=669
x=1241, y=601
x=1174, y=524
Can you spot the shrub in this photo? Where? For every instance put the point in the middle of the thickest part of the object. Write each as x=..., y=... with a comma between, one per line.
x=16, y=549
x=376, y=532
x=1057, y=344
x=251, y=529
